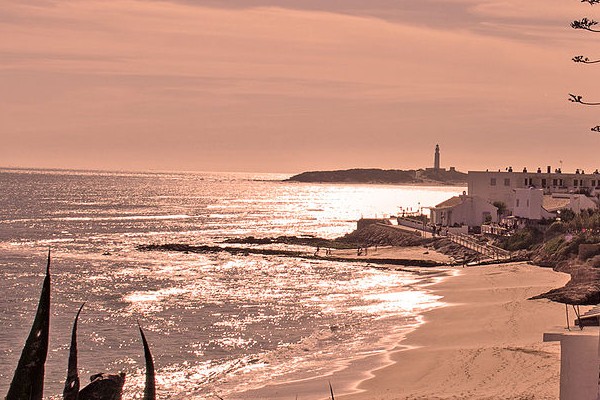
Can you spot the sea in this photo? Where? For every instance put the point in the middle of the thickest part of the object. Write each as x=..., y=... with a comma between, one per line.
x=219, y=325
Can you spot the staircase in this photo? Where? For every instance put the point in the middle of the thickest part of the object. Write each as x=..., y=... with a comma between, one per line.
x=486, y=250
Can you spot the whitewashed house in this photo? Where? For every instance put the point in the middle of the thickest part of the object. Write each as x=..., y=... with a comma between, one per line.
x=533, y=204
x=463, y=210
x=529, y=204
x=503, y=185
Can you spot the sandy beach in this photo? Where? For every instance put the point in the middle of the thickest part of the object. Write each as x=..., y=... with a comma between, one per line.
x=487, y=344
x=390, y=252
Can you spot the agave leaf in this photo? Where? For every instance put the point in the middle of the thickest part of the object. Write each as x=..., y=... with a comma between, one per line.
x=71, y=390
x=331, y=391
x=150, y=389
x=28, y=381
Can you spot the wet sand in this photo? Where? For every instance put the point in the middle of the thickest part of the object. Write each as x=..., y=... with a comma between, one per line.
x=388, y=252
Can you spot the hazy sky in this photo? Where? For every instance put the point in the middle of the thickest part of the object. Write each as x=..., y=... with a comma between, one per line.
x=292, y=85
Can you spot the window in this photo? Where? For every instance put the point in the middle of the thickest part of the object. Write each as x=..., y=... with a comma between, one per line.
x=517, y=202
x=543, y=182
x=493, y=182
x=506, y=181
x=525, y=181
x=575, y=181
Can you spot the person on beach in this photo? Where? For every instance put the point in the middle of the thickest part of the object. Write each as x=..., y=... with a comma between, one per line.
x=317, y=252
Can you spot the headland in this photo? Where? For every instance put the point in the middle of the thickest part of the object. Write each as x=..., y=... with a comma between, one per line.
x=427, y=176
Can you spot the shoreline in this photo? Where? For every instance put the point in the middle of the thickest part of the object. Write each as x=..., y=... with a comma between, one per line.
x=485, y=344
x=349, y=371
x=431, y=184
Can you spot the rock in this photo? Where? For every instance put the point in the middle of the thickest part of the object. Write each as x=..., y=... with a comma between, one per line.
x=104, y=387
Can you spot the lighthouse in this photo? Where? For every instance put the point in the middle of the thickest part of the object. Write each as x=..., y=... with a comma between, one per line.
x=436, y=158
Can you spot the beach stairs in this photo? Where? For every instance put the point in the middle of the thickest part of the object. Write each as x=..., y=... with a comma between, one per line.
x=487, y=251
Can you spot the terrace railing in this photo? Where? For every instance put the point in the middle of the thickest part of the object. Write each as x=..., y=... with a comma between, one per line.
x=487, y=250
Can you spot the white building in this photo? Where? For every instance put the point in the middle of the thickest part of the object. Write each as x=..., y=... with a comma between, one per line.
x=503, y=186
x=575, y=202
x=529, y=204
x=578, y=363
x=463, y=210
x=527, y=195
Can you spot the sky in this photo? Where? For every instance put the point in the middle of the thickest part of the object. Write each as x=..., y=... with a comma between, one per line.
x=295, y=85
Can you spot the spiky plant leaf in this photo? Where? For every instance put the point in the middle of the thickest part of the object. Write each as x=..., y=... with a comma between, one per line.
x=71, y=390
x=150, y=389
x=28, y=381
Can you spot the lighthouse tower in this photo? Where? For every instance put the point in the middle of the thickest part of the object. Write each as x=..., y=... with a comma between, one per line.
x=436, y=158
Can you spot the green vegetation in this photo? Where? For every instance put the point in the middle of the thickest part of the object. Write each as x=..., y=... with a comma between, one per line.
x=560, y=239
x=523, y=239
x=585, y=220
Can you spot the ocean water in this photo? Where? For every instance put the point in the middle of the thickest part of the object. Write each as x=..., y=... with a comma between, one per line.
x=218, y=324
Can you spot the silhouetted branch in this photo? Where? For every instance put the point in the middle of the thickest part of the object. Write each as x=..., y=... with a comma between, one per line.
x=578, y=99
x=585, y=24
x=592, y=2
x=596, y=128
x=585, y=60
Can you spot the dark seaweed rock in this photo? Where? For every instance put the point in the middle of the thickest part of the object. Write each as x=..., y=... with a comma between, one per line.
x=382, y=235
x=289, y=240
x=282, y=253
x=456, y=251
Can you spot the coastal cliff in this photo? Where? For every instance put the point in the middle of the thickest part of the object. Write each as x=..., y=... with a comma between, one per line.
x=384, y=176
